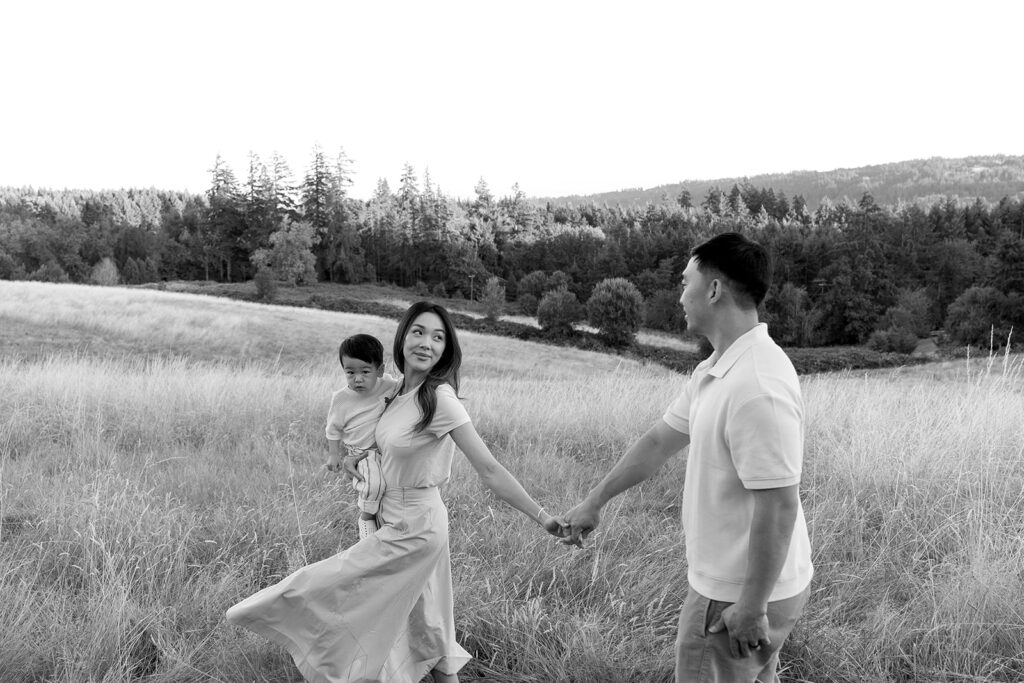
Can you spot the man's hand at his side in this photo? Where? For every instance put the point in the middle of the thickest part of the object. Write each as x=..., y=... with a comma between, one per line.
x=747, y=629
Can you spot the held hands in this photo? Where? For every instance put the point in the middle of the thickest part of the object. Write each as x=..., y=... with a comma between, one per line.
x=554, y=526
x=580, y=522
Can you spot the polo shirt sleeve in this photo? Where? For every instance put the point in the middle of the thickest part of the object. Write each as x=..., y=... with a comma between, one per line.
x=450, y=412
x=765, y=437
x=677, y=415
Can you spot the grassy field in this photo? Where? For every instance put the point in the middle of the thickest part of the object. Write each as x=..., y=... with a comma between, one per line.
x=161, y=456
x=395, y=296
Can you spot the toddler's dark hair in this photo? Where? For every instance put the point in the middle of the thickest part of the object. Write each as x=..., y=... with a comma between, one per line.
x=364, y=347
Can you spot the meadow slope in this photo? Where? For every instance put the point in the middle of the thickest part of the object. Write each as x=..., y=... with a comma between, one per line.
x=161, y=456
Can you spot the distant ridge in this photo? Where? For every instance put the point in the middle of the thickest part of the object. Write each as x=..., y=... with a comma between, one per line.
x=920, y=180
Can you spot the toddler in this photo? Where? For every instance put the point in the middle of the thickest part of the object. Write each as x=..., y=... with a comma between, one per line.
x=353, y=417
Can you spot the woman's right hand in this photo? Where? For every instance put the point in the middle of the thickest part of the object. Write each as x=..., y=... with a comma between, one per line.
x=555, y=526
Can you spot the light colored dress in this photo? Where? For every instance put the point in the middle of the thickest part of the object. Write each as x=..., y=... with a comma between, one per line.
x=382, y=610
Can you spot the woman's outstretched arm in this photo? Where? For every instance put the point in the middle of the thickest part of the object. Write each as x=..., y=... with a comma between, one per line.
x=499, y=480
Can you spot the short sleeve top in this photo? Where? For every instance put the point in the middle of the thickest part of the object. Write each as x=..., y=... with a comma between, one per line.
x=744, y=416
x=417, y=459
x=352, y=417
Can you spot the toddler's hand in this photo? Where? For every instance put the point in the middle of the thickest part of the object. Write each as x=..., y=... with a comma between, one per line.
x=334, y=463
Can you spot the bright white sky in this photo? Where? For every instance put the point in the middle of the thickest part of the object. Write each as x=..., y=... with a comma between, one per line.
x=560, y=96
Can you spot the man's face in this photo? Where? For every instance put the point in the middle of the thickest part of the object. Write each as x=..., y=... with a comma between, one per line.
x=694, y=299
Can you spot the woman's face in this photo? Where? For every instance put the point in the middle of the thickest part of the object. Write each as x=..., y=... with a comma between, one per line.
x=424, y=343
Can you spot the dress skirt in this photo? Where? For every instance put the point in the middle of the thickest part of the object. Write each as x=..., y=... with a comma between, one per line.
x=379, y=611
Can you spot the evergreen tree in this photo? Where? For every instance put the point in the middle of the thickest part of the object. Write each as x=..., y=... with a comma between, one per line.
x=282, y=191
x=493, y=298
x=259, y=208
x=684, y=199
x=378, y=220
x=316, y=190
x=322, y=208
x=222, y=232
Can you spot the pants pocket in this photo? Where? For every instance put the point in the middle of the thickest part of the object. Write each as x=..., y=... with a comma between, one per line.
x=714, y=612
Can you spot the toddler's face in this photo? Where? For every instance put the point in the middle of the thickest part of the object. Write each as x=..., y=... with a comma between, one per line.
x=361, y=376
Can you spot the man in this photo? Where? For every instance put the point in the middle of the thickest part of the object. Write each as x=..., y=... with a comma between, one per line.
x=741, y=413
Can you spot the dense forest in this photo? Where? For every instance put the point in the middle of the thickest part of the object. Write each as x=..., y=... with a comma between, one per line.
x=849, y=272
x=922, y=181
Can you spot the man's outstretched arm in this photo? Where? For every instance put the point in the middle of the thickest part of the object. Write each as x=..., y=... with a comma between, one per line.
x=643, y=459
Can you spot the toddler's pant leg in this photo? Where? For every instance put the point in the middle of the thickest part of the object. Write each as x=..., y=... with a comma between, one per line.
x=371, y=489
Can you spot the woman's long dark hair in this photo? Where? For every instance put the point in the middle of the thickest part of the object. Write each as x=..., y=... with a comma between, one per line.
x=447, y=367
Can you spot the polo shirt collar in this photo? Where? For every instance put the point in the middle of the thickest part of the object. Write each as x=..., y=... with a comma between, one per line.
x=742, y=344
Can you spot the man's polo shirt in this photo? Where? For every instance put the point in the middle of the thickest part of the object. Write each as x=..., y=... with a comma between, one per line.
x=744, y=416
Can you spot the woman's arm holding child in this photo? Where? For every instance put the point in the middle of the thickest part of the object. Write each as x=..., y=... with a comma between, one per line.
x=499, y=480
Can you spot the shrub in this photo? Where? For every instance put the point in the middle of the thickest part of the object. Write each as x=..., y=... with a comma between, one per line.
x=614, y=309
x=266, y=284
x=558, y=280
x=439, y=291
x=528, y=304
x=132, y=272
x=493, y=298
x=557, y=312
x=912, y=312
x=893, y=340
x=976, y=317
x=421, y=288
x=105, y=273
x=10, y=269
x=50, y=272
x=663, y=312
x=534, y=284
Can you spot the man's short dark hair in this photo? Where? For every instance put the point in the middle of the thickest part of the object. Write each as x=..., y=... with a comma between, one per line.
x=364, y=347
x=743, y=261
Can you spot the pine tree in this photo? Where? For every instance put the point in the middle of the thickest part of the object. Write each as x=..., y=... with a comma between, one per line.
x=316, y=192
x=340, y=253
x=259, y=204
x=684, y=199
x=408, y=204
x=223, y=227
x=282, y=191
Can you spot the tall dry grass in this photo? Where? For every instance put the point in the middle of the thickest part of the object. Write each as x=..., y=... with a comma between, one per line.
x=141, y=496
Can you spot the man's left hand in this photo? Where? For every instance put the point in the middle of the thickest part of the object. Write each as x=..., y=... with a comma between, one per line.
x=747, y=629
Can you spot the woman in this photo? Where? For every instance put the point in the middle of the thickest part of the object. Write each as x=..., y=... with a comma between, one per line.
x=382, y=610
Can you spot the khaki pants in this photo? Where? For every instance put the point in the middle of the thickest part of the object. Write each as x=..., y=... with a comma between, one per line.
x=703, y=657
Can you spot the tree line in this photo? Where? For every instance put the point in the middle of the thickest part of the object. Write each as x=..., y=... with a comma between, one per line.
x=849, y=272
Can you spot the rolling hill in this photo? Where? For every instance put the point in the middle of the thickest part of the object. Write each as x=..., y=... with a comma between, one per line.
x=921, y=180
